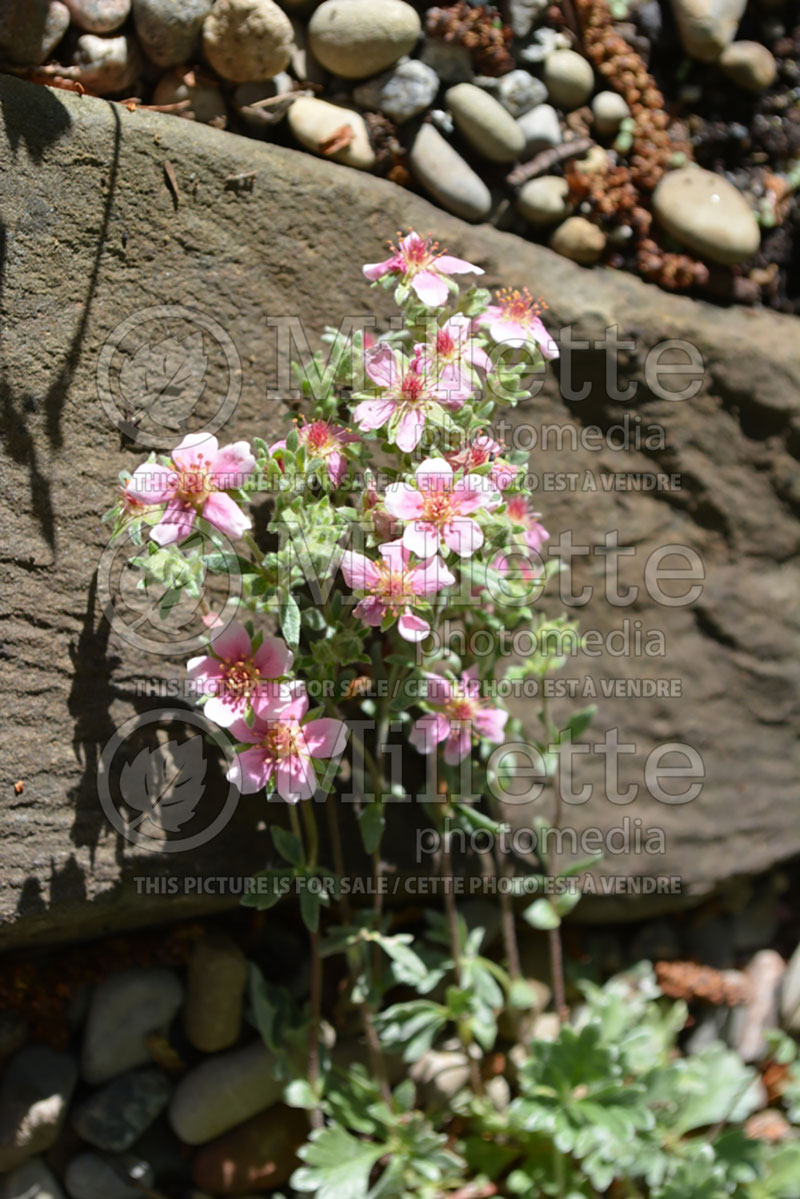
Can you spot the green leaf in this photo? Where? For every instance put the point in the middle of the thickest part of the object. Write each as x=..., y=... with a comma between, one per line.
x=290, y=621
x=338, y=1165
x=541, y=914
x=299, y=1093
x=287, y=844
x=309, y=908
x=579, y=722
x=372, y=822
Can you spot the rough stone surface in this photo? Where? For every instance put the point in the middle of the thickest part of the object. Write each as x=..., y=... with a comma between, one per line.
x=485, y=124
x=115, y=1116
x=88, y=1176
x=169, y=32
x=518, y=91
x=402, y=93
x=447, y=177
x=707, y=26
x=258, y=1156
x=452, y=62
x=222, y=1092
x=579, y=240
x=314, y=122
x=92, y=236
x=215, y=994
x=247, y=40
x=98, y=16
x=357, y=38
x=544, y=201
x=569, y=78
x=707, y=214
x=32, y=1180
x=36, y=1090
x=31, y=29
x=124, y=1010
x=541, y=128
x=749, y=65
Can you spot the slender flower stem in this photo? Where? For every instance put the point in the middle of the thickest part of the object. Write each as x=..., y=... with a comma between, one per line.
x=310, y=861
x=554, y=934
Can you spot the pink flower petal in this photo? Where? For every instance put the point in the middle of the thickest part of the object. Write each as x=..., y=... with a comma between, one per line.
x=195, y=445
x=359, y=572
x=232, y=643
x=233, y=466
x=241, y=731
x=476, y=491
x=409, y=430
x=326, y=737
x=412, y=627
x=295, y=778
x=337, y=465
x=459, y=743
x=376, y=270
x=491, y=723
x=225, y=710
x=152, y=483
x=273, y=658
x=431, y=289
x=175, y=525
x=204, y=670
x=225, y=514
x=438, y=690
x=464, y=536
x=371, y=610
x=456, y=266
x=251, y=770
x=434, y=474
x=381, y=365
x=428, y=731
x=373, y=414
x=421, y=538
x=403, y=501
x=430, y=577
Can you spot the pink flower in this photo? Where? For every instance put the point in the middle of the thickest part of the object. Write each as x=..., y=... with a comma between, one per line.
x=437, y=511
x=326, y=441
x=410, y=397
x=234, y=675
x=459, y=715
x=284, y=747
x=535, y=534
x=484, y=449
x=451, y=359
x=196, y=485
x=423, y=267
x=393, y=589
x=515, y=320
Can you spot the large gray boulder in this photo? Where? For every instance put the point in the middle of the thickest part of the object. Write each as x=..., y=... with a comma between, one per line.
x=94, y=235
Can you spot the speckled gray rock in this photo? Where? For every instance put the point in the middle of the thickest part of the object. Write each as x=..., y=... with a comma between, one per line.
x=703, y=211
x=445, y=176
x=523, y=15
x=609, y=110
x=314, y=121
x=451, y=62
x=32, y=1180
x=31, y=29
x=357, y=38
x=541, y=128
x=569, y=78
x=579, y=240
x=90, y=1176
x=216, y=980
x=98, y=16
x=485, y=124
x=247, y=40
x=518, y=91
x=222, y=1092
x=170, y=32
x=108, y=65
x=707, y=26
x=206, y=101
x=749, y=65
x=401, y=93
x=124, y=1010
x=544, y=201
x=114, y=1117
x=35, y=1094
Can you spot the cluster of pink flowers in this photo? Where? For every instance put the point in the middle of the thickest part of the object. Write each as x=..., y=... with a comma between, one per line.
x=458, y=714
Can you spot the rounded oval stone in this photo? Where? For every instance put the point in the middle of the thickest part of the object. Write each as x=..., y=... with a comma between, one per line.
x=706, y=26
x=317, y=124
x=544, y=201
x=703, y=211
x=609, y=110
x=98, y=16
x=125, y=1008
x=569, y=78
x=246, y=41
x=485, y=124
x=358, y=38
x=579, y=240
x=109, y=65
x=258, y=1156
x=215, y=994
x=169, y=32
x=445, y=176
x=31, y=29
x=749, y=65
x=223, y=1091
